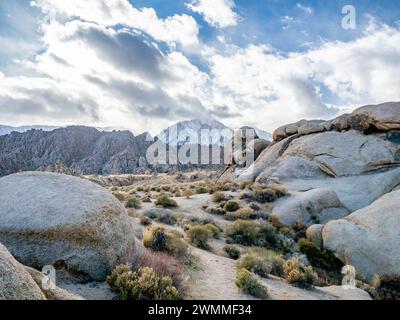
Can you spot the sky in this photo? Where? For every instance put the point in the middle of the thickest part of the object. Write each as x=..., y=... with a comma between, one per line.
x=146, y=64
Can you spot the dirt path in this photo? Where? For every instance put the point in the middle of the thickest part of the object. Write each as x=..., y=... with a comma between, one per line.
x=214, y=278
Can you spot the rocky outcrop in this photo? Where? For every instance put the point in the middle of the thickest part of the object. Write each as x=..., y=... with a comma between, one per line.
x=15, y=281
x=359, y=164
x=310, y=207
x=48, y=218
x=369, y=238
x=367, y=119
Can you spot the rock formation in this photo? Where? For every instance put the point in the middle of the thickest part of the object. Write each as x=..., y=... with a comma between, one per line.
x=65, y=220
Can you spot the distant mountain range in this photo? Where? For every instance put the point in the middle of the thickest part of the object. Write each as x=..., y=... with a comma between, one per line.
x=88, y=150
x=8, y=129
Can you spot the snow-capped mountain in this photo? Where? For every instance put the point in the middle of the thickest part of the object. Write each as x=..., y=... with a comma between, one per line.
x=190, y=132
x=194, y=132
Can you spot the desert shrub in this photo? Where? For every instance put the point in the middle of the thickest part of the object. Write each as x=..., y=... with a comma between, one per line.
x=232, y=205
x=144, y=221
x=232, y=251
x=119, y=196
x=243, y=214
x=217, y=211
x=187, y=193
x=143, y=284
x=262, y=262
x=165, y=201
x=298, y=275
x=280, y=190
x=386, y=287
x=163, y=263
x=146, y=199
x=168, y=219
x=140, y=189
x=166, y=188
x=155, y=239
x=201, y=190
x=265, y=195
x=251, y=233
x=245, y=184
x=133, y=202
x=178, y=194
x=299, y=229
x=322, y=259
x=247, y=282
x=199, y=236
x=216, y=232
x=219, y=197
x=158, y=239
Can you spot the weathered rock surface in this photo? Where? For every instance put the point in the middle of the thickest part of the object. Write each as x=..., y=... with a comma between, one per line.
x=310, y=207
x=51, y=293
x=314, y=234
x=369, y=238
x=47, y=218
x=15, y=281
x=356, y=155
x=367, y=119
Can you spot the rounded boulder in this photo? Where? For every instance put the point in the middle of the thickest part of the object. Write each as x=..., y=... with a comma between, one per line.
x=55, y=219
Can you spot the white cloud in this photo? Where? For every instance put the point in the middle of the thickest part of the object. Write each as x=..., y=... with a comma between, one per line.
x=181, y=29
x=91, y=73
x=217, y=13
x=271, y=89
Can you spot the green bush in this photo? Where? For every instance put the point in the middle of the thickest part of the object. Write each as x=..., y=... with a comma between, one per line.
x=299, y=276
x=201, y=190
x=216, y=232
x=247, y=282
x=199, y=236
x=165, y=201
x=322, y=259
x=143, y=284
x=219, y=197
x=133, y=202
x=251, y=233
x=232, y=251
x=232, y=205
x=262, y=262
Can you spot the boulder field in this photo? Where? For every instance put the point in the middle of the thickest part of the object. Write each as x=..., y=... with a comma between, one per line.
x=343, y=177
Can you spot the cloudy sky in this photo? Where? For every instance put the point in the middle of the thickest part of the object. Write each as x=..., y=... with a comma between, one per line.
x=144, y=65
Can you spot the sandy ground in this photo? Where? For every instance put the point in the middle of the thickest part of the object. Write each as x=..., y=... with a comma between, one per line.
x=214, y=275
x=90, y=291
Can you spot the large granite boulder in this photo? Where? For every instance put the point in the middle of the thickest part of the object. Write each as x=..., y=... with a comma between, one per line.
x=48, y=218
x=15, y=281
x=368, y=239
x=310, y=207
